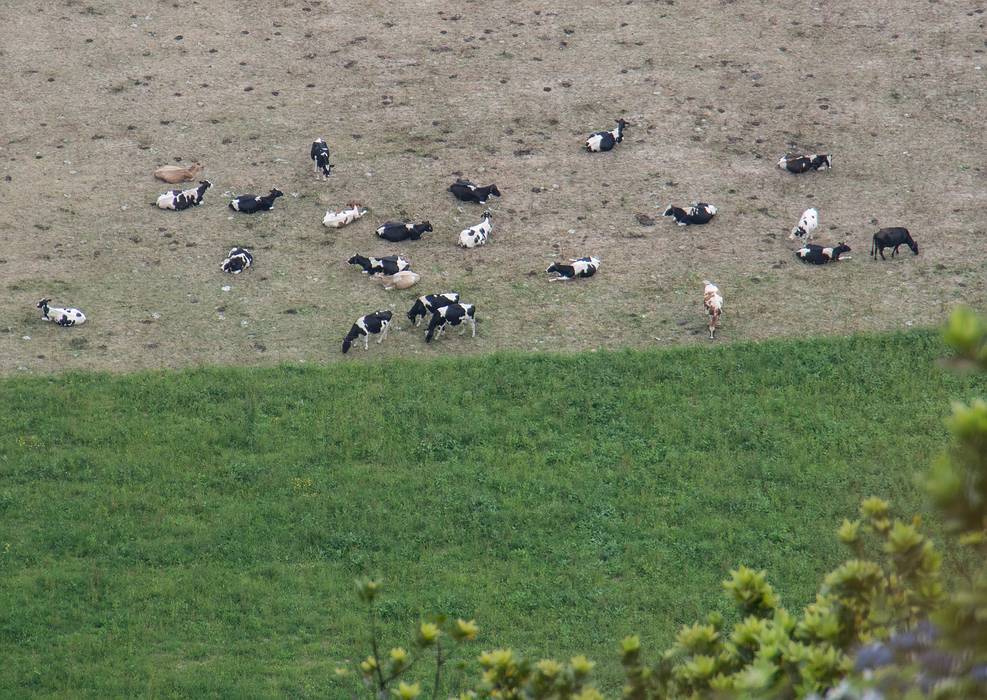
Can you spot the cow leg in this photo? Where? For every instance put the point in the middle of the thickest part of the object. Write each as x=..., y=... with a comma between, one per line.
x=366, y=341
x=881, y=251
x=473, y=322
x=383, y=334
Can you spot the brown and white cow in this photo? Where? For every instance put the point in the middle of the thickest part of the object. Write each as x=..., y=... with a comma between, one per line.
x=713, y=304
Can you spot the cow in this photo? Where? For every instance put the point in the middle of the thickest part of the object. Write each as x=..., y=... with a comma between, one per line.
x=338, y=219
x=800, y=164
x=580, y=267
x=606, y=140
x=476, y=235
x=371, y=324
x=61, y=317
x=892, y=238
x=466, y=191
x=320, y=155
x=400, y=280
x=818, y=255
x=250, y=203
x=451, y=314
x=698, y=213
x=178, y=200
x=429, y=303
x=177, y=173
x=387, y=265
x=806, y=225
x=238, y=260
x=713, y=305
x=396, y=231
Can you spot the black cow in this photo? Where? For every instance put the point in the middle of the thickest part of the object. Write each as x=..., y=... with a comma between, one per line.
x=387, y=265
x=581, y=267
x=183, y=199
x=237, y=261
x=800, y=164
x=818, y=255
x=892, y=238
x=377, y=322
x=606, y=140
x=451, y=314
x=468, y=192
x=698, y=213
x=250, y=203
x=396, y=231
x=429, y=303
x=320, y=154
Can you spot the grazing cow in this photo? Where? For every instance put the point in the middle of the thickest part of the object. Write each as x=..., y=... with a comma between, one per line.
x=400, y=280
x=468, y=192
x=320, y=154
x=338, y=219
x=580, y=267
x=818, y=255
x=698, y=213
x=451, y=314
x=801, y=164
x=396, y=231
x=176, y=173
x=377, y=322
x=62, y=317
x=606, y=140
x=806, y=225
x=713, y=304
x=892, y=238
x=387, y=265
x=183, y=199
x=250, y=203
x=237, y=261
x=429, y=303
x=476, y=235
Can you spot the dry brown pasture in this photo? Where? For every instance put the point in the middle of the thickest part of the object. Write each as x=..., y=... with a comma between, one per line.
x=98, y=93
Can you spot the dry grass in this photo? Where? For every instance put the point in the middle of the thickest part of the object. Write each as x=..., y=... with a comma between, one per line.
x=410, y=94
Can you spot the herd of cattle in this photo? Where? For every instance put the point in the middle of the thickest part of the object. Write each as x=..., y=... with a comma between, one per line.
x=446, y=308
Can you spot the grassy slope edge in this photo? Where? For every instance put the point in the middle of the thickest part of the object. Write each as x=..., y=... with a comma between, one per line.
x=199, y=532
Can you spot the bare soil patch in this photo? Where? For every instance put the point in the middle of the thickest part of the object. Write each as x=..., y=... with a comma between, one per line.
x=410, y=95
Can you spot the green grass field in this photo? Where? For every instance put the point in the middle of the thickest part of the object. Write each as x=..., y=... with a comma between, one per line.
x=198, y=533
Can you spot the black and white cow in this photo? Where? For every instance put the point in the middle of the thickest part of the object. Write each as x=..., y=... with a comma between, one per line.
x=698, y=213
x=396, y=231
x=429, y=303
x=183, y=199
x=371, y=324
x=237, y=261
x=62, y=317
x=807, y=224
x=387, y=265
x=320, y=154
x=466, y=191
x=476, y=235
x=452, y=314
x=818, y=255
x=892, y=238
x=606, y=140
x=581, y=267
x=801, y=164
x=250, y=203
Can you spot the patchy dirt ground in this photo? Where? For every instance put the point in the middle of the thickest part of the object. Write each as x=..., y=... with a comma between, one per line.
x=408, y=95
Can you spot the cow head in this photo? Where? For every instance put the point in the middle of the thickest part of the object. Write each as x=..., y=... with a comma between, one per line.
x=913, y=245
x=494, y=191
x=554, y=267
x=275, y=193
